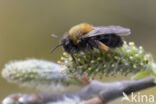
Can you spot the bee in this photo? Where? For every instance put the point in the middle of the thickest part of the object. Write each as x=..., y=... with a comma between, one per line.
x=86, y=37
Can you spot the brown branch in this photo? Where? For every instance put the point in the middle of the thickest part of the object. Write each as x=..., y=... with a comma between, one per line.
x=98, y=91
x=116, y=89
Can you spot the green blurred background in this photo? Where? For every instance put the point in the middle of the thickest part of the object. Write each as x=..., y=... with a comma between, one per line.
x=26, y=25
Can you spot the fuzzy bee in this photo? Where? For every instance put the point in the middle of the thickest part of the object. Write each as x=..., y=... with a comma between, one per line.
x=86, y=37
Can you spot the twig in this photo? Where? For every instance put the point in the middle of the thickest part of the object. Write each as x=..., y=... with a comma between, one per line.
x=116, y=89
x=96, y=91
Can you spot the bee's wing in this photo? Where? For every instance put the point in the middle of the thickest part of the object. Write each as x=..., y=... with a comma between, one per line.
x=99, y=30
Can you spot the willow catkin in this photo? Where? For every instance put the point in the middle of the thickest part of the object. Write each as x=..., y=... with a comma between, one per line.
x=124, y=60
x=36, y=73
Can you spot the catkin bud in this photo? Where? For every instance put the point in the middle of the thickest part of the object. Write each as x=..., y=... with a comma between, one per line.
x=36, y=73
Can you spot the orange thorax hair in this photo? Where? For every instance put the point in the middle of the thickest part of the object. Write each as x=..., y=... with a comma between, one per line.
x=77, y=31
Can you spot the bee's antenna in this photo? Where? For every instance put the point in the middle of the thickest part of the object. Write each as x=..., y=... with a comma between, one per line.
x=55, y=48
x=55, y=36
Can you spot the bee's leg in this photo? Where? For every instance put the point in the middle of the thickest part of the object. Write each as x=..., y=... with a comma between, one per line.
x=102, y=46
x=76, y=62
x=73, y=57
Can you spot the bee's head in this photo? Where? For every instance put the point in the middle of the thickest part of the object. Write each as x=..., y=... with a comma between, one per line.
x=78, y=30
x=68, y=45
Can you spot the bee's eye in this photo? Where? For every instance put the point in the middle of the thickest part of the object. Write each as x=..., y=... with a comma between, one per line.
x=67, y=42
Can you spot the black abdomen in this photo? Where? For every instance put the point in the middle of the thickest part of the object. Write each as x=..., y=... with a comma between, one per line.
x=111, y=40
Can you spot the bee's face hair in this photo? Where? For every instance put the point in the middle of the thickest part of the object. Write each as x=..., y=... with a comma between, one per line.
x=68, y=45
